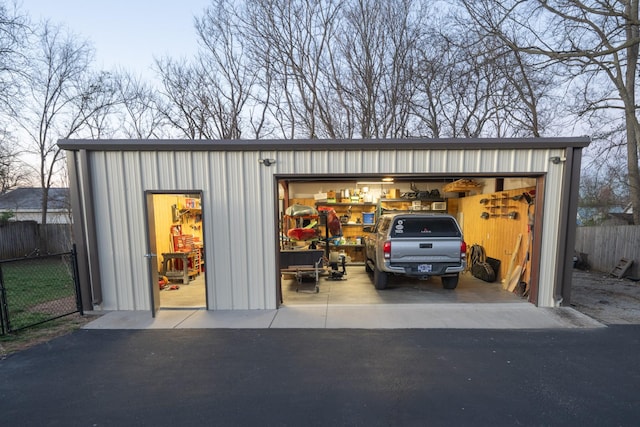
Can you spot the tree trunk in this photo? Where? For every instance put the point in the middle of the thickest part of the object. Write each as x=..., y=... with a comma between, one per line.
x=631, y=121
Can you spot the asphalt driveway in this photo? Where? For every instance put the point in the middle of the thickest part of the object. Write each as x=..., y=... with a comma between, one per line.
x=324, y=377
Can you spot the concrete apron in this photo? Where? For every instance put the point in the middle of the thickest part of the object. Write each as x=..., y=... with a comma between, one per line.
x=355, y=304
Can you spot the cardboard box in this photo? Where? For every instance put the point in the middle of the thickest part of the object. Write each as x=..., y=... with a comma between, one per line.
x=393, y=193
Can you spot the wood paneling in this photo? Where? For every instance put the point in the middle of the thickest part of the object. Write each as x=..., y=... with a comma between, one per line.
x=497, y=233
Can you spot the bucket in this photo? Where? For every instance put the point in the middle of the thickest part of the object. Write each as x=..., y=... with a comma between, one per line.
x=367, y=217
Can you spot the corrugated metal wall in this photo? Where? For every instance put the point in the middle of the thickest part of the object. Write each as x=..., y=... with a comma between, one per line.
x=239, y=207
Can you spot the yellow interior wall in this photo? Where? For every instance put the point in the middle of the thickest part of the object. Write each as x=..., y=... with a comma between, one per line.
x=497, y=234
x=164, y=220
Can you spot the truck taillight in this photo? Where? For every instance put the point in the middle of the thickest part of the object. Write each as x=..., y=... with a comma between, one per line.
x=463, y=250
x=386, y=250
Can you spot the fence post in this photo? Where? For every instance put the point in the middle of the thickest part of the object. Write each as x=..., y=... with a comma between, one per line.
x=76, y=279
x=4, y=317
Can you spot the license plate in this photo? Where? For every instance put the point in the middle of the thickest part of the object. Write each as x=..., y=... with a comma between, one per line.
x=424, y=268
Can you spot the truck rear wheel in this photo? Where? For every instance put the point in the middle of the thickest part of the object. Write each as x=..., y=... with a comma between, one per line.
x=380, y=279
x=450, y=282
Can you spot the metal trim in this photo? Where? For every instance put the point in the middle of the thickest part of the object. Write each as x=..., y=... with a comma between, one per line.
x=88, y=228
x=568, y=229
x=321, y=144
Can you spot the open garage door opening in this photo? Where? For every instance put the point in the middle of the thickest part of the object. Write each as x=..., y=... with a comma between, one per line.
x=325, y=222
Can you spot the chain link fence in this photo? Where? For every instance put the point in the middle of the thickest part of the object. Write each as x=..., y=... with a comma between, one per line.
x=38, y=289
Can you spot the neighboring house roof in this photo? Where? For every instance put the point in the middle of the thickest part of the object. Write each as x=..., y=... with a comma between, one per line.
x=30, y=199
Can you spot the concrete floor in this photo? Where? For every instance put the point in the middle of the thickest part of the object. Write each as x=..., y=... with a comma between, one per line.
x=355, y=303
x=190, y=295
x=357, y=288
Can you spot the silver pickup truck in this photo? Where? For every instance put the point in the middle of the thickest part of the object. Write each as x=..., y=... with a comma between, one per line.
x=416, y=245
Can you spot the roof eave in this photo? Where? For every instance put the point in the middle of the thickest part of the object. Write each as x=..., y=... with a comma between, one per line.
x=322, y=144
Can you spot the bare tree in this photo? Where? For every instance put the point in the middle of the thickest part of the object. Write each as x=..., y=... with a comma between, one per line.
x=292, y=37
x=139, y=115
x=374, y=68
x=184, y=105
x=597, y=42
x=13, y=37
x=206, y=98
x=13, y=172
x=602, y=188
x=62, y=96
x=356, y=68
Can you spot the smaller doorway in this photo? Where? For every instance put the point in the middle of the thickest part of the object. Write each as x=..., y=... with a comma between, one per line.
x=176, y=237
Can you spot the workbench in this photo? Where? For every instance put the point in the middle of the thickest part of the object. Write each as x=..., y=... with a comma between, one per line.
x=179, y=265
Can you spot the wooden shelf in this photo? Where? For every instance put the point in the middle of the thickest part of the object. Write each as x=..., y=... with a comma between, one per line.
x=345, y=204
x=428, y=199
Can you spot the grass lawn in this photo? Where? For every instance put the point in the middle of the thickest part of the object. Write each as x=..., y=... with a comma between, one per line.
x=38, y=289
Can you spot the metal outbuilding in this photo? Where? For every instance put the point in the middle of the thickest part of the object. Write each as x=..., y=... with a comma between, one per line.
x=111, y=181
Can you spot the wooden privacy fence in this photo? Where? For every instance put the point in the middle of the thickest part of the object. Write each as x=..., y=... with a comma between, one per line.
x=605, y=246
x=22, y=238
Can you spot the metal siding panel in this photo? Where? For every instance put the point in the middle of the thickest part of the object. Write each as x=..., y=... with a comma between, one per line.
x=450, y=161
x=239, y=209
x=237, y=214
x=370, y=161
x=118, y=219
x=136, y=231
x=387, y=161
x=540, y=160
x=253, y=260
x=200, y=173
x=420, y=161
x=219, y=233
x=404, y=162
x=335, y=161
x=305, y=162
x=319, y=162
x=267, y=196
x=437, y=159
x=149, y=170
x=184, y=170
x=353, y=161
x=470, y=160
x=115, y=246
x=98, y=167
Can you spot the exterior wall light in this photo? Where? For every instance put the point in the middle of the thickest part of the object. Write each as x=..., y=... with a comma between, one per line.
x=557, y=160
x=267, y=162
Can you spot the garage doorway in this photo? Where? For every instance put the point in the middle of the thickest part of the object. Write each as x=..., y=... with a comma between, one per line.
x=499, y=213
x=176, y=250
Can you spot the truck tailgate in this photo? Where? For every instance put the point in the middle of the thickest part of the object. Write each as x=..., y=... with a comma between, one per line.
x=432, y=250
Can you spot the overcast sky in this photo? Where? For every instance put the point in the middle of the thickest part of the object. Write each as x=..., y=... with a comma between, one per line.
x=126, y=33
